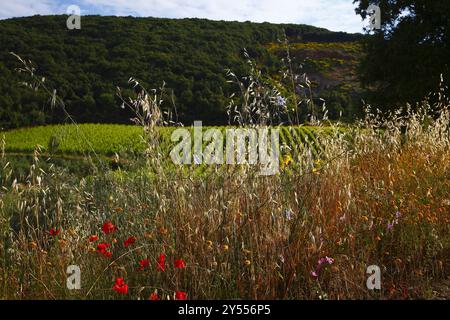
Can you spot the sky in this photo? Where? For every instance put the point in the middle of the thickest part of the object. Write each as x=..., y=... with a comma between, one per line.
x=335, y=15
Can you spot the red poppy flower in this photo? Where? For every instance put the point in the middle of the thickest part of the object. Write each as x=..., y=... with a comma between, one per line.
x=93, y=238
x=144, y=263
x=154, y=296
x=161, y=262
x=180, y=264
x=120, y=286
x=101, y=247
x=129, y=241
x=108, y=227
x=180, y=295
x=53, y=232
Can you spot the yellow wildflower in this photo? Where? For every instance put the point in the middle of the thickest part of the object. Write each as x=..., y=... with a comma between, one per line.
x=287, y=160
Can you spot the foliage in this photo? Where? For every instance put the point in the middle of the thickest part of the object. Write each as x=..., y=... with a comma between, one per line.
x=405, y=59
x=87, y=65
x=331, y=68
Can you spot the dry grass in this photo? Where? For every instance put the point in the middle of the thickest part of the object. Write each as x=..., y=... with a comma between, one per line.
x=244, y=236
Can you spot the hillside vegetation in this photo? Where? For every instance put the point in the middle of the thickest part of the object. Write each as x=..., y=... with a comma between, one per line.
x=190, y=55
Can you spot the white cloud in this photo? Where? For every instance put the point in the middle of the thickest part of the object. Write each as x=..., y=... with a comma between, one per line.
x=22, y=8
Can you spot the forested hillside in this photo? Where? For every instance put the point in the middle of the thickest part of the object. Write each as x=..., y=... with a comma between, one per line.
x=190, y=55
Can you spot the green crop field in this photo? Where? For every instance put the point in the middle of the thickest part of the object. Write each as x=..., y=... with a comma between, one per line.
x=110, y=139
x=76, y=139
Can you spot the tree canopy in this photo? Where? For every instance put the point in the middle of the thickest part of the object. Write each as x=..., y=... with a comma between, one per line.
x=407, y=56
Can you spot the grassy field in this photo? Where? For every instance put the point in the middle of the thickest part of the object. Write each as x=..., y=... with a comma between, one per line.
x=310, y=232
x=76, y=139
x=122, y=139
x=123, y=146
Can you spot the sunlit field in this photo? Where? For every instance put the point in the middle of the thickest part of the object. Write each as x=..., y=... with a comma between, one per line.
x=163, y=231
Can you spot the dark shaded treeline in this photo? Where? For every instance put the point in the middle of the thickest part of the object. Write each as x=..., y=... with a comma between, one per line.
x=405, y=59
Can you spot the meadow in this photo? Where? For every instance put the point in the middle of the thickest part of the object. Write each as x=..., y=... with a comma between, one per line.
x=338, y=205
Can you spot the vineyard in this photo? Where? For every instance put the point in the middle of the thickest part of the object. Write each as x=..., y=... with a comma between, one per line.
x=108, y=140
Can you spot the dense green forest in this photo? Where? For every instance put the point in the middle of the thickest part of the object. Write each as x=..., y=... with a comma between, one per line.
x=190, y=55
